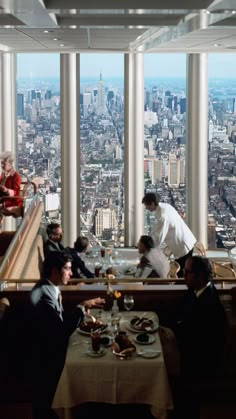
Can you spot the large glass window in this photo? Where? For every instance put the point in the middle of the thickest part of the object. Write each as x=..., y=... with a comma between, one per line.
x=102, y=147
x=38, y=127
x=221, y=151
x=165, y=129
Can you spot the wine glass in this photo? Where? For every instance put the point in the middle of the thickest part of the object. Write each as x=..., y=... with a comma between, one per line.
x=128, y=302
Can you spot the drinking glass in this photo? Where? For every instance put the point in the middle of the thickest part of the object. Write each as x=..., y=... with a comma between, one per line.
x=96, y=341
x=128, y=302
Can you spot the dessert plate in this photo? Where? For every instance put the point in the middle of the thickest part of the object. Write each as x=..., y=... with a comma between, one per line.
x=90, y=352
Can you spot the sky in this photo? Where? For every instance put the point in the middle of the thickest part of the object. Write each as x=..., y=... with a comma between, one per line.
x=112, y=65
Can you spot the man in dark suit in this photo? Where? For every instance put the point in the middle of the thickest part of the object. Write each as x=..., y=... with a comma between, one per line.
x=79, y=269
x=53, y=243
x=51, y=329
x=200, y=330
x=201, y=323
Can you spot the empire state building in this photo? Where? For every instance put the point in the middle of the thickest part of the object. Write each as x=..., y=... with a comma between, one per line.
x=101, y=104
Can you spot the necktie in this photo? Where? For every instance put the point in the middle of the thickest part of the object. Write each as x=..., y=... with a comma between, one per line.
x=60, y=304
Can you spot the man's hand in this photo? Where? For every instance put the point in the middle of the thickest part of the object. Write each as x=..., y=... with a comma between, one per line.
x=95, y=302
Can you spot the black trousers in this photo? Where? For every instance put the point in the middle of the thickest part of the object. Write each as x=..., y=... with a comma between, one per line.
x=182, y=261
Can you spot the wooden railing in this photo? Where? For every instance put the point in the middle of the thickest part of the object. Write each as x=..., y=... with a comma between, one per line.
x=20, y=240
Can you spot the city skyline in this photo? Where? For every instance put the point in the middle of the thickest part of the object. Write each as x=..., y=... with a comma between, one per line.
x=112, y=65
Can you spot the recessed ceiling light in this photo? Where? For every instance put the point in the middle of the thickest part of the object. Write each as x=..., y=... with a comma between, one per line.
x=45, y=31
x=55, y=39
x=62, y=45
x=72, y=26
x=233, y=12
x=216, y=45
x=207, y=12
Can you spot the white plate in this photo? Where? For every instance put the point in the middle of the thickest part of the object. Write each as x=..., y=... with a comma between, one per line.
x=150, y=340
x=148, y=329
x=83, y=332
x=90, y=352
x=149, y=353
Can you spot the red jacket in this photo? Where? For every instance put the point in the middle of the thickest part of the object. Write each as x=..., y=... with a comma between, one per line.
x=12, y=182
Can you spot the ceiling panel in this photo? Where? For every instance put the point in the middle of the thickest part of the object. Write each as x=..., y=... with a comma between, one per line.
x=118, y=25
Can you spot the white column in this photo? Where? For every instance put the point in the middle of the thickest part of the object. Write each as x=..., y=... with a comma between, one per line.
x=197, y=145
x=8, y=102
x=134, y=147
x=69, y=147
x=78, y=141
x=8, y=113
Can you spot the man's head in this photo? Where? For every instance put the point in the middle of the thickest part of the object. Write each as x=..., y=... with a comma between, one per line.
x=197, y=272
x=81, y=244
x=54, y=232
x=57, y=267
x=145, y=244
x=151, y=201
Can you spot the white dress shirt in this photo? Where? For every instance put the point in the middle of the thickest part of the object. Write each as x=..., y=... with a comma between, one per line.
x=172, y=230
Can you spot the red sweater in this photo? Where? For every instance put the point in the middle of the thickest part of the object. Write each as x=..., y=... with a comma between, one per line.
x=12, y=182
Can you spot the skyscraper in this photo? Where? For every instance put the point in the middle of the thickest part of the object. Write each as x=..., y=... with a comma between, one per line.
x=101, y=103
x=20, y=105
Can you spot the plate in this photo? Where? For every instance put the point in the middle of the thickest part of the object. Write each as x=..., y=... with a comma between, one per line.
x=149, y=353
x=99, y=327
x=90, y=352
x=124, y=355
x=151, y=339
x=146, y=325
x=130, y=270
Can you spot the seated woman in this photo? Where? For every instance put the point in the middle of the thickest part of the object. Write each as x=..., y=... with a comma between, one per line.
x=10, y=182
x=153, y=263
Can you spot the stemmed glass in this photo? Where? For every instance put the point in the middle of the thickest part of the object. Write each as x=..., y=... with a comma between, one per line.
x=128, y=302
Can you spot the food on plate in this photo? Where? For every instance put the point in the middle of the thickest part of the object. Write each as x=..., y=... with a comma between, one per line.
x=142, y=337
x=123, y=345
x=90, y=325
x=141, y=323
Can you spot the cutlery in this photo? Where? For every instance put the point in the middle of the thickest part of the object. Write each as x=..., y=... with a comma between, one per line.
x=149, y=352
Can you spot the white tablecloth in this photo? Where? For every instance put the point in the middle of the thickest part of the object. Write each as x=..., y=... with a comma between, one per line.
x=108, y=379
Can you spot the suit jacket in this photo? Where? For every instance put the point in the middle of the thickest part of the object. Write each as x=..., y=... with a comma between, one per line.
x=49, y=332
x=51, y=246
x=78, y=266
x=200, y=328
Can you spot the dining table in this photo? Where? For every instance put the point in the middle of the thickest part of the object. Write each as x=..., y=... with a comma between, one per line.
x=107, y=378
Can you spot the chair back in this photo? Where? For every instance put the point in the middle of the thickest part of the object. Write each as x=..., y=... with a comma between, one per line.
x=200, y=248
x=174, y=269
x=222, y=271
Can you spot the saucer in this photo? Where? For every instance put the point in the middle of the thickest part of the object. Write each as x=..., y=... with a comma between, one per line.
x=90, y=352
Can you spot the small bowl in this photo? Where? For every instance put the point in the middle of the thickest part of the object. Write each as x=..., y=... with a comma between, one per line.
x=106, y=341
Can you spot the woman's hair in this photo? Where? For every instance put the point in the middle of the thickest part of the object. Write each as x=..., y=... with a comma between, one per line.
x=81, y=244
x=56, y=260
x=7, y=155
x=147, y=241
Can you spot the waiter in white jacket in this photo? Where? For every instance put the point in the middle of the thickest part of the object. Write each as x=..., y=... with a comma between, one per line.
x=170, y=229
